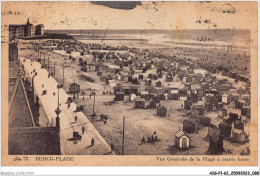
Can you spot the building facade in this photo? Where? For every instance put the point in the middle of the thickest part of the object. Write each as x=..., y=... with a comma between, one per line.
x=25, y=30
x=26, y=136
x=39, y=29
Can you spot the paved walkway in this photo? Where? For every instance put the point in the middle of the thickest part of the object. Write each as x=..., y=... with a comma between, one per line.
x=67, y=115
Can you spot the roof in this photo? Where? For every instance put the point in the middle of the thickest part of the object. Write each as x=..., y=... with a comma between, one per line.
x=191, y=120
x=119, y=92
x=225, y=95
x=213, y=89
x=144, y=92
x=246, y=107
x=40, y=25
x=241, y=101
x=215, y=138
x=139, y=99
x=237, y=131
x=117, y=87
x=112, y=66
x=238, y=122
x=35, y=141
x=161, y=107
x=174, y=91
x=214, y=124
x=210, y=95
x=222, y=125
x=74, y=84
x=226, y=117
x=20, y=114
x=204, y=117
x=197, y=106
x=232, y=113
x=180, y=133
x=222, y=109
x=16, y=25
x=111, y=81
x=133, y=87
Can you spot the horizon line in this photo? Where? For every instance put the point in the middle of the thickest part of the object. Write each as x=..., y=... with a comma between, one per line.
x=155, y=29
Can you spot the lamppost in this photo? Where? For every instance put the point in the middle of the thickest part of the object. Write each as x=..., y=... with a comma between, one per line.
x=74, y=97
x=74, y=86
x=63, y=75
x=44, y=60
x=35, y=74
x=123, y=141
x=48, y=63
x=63, y=72
x=94, y=93
x=58, y=111
x=54, y=68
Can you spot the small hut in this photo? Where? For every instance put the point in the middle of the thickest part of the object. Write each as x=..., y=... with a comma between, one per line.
x=208, y=107
x=158, y=84
x=145, y=95
x=225, y=129
x=139, y=102
x=150, y=104
x=240, y=103
x=216, y=145
x=119, y=96
x=173, y=96
x=187, y=104
x=74, y=88
x=190, y=125
x=239, y=136
x=204, y=121
x=182, y=140
x=233, y=116
x=161, y=111
x=197, y=110
x=245, y=111
x=222, y=112
x=213, y=130
x=132, y=96
x=239, y=125
x=117, y=89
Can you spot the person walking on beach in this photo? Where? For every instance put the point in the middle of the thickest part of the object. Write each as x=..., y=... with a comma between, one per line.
x=76, y=118
x=83, y=129
x=143, y=140
x=92, y=142
x=112, y=147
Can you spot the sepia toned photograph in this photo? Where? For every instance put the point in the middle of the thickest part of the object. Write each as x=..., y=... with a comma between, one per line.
x=129, y=78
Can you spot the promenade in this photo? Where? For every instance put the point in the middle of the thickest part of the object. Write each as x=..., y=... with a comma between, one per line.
x=67, y=116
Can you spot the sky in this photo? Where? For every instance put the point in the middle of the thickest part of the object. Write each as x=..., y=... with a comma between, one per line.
x=146, y=15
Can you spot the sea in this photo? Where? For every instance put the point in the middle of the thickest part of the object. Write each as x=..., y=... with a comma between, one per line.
x=185, y=38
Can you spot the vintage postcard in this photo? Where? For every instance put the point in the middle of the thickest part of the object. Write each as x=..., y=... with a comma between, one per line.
x=129, y=83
